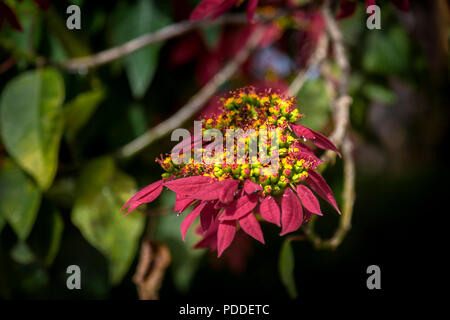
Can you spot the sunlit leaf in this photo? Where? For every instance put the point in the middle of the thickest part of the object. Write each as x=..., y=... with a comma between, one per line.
x=19, y=199
x=101, y=192
x=31, y=122
x=78, y=111
x=286, y=268
x=45, y=239
x=130, y=22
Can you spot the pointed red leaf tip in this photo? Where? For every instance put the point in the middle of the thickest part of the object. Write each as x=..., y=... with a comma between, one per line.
x=346, y=9
x=225, y=235
x=206, y=8
x=239, y=208
x=251, y=187
x=251, y=226
x=145, y=195
x=401, y=4
x=182, y=203
x=308, y=200
x=291, y=212
x=251, y=8
x=270, y=211
x=317, y=138
x=6, y=13
x=207, y=215
x=318, y=184
x=190, y=218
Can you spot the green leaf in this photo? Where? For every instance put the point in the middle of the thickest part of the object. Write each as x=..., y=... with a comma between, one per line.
x=28, y=39
x=130, y=22
x=314, y=102
x=78, y=111
x=185, y=261
x=19, y=199
x=211, y=35
x=286, y=268
x=137, y=117
x=2, y=223
x=31, y=122
x=45, y=239
x=101, y=192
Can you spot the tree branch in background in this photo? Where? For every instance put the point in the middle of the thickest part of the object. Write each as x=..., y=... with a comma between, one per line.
x=171, y=31
x=154, y=259
x=316, y=59
x=195, y=103
x=341, y=116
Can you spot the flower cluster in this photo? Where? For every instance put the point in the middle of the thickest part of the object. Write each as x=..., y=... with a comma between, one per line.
x=228, y=196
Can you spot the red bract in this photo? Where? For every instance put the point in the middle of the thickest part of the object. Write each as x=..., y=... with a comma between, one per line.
x=215, y=8
x=231, y=197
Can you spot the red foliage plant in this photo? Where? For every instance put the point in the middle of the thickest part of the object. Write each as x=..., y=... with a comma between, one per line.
x=229, y=196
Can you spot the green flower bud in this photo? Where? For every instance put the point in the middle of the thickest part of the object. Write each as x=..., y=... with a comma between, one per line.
x=276, y=190
x=166, y=175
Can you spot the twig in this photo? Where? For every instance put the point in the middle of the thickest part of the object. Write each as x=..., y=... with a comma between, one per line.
x=173, y=30
x=343, y=101
x=195, y=103
x=154, y=259
x=316, y=58
x=348, y=196
x=339, y=136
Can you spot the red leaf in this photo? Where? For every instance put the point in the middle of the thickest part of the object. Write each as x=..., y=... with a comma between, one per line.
x=190, y=185
x=207, y=216
x=308, y=200
x=251, y=7
x=251, y=226
x=346, y=9
x=291, y=212
x=401, y=4
x=43, y=4
x=224, y=7
x=205, y=8
x=181, y=203
x=270, y=211
x=225, y=235
x=228, y=189
x=7, y=13
x=317, y=138
x=189, y=219
x=147, y=194
x=318, y=184
x=239, y=208
x=251, y=187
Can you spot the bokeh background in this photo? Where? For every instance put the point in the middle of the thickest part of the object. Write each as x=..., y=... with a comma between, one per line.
x=61, y=190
